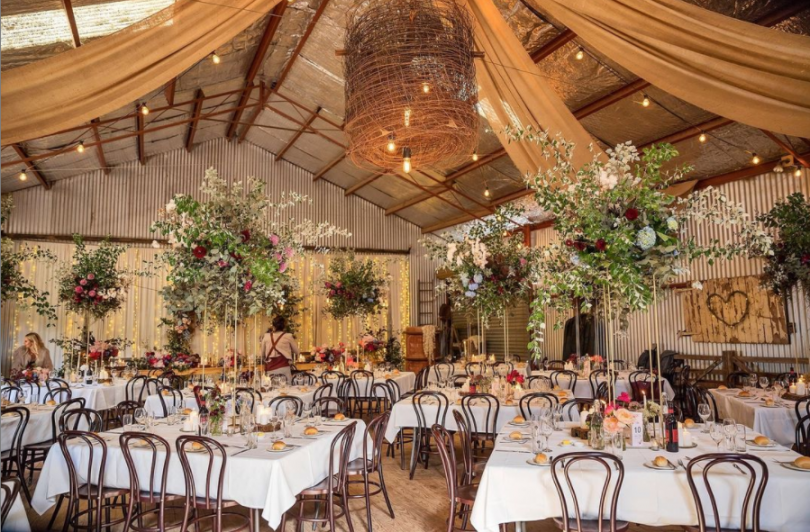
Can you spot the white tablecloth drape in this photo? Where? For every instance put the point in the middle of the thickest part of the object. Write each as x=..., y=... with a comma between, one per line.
x=582, y=389
x=96, y=396
x=777, y=422
x=37, y=430
x=255, y=479
x=17, y=519
x=512, y=490
x=153, y=405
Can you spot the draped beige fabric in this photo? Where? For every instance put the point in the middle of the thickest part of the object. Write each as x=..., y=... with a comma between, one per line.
x=108, y=73
x=739, y=70
x=512, y=92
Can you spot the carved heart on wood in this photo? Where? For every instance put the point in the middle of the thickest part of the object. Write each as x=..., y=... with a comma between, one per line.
x=731, y=310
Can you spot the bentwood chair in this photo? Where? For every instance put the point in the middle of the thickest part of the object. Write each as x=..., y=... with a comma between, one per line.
x=362, y=399
x=443, y=371
x=246, y=398
x=383, y=402
x=472, y=466
x=32, y=390
x=756, y=473
x=367, y=466
x=121, y=409
x=11, y=391
x=11, y=488
x=329, y=406
x=572, y=504
x=58, y=395
x=473, y=368
x=421, y=447
x=288, y=401
x=331, y=493
x=38, y=451
x=802, y=445
x=556, y=365
x=96, y=496
x=568, y=381
x=211, y=497
x=170, y=397
x=11, y=458
x=737, y=379
x=134, y=388
x=572, y=408
x=540, y=382
x=538, y=400
x=331, y=376
x=148, y=489
x=802, y=408
x=324, y=390
x=481, y=412
x=595, y=377
x=304, y=378
x=81, y=419
x=55, y=382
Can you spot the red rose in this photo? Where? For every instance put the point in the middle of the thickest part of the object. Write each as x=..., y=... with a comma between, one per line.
x=245, y=235
x=579, y=245
x=631, y=214
x=601, y=245
x=199, y=252
x=78, y=289
x=248, y=286
x=569, y=242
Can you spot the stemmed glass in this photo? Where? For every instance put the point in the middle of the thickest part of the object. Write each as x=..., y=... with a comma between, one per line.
x=730, y=430
x=546, y=429
x=763, y=382
x=704, y=412
x=752, y=380
x=126, y=420
x=140, y=416
x=717, y=434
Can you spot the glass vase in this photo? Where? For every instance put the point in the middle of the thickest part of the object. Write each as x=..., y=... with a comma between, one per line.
x=215, y=426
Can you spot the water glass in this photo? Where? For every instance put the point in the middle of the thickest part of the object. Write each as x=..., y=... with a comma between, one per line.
x=126, y=420
x=730, y=430
x=140, y=416
x=618, y=445
x=763, y=382
x=739, y=439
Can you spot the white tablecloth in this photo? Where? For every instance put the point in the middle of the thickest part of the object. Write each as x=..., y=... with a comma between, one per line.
x=96, y=396
x=37, y=430
x=17, y=519
x=512, y=490
x=778, y=422
x=582, y=389
x=152, y=403
x=460, y=369
x=406, y=381
x=255, y=479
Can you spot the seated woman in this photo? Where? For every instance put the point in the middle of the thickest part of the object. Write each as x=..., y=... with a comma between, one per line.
x=32, y=354
x=278, y=348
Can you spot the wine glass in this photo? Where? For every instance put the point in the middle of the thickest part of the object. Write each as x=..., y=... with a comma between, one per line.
x=752, y=380
x=126, y=420
x=730, y=430
x=546, y=429
x=763, y=382
x=140, y=416
x=704, y=412
x=717, y=434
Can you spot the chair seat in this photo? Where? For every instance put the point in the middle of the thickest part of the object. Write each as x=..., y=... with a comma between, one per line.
x=466, y=494
x=106, y=493
x=40, y=446
x=357, y=466
x=321, y=488
x=590, y=525
x=697, y=529
x=199, y=502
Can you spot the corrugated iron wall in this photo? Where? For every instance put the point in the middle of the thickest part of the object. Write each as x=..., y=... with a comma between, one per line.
x=757, y=195
x=124, y=203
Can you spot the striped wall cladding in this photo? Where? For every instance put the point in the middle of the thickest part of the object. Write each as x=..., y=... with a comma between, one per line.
x=125, y=202
x=758, y=195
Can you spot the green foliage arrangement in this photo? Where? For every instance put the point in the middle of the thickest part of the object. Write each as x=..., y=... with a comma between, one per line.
x=789, y=263
x=353, y=287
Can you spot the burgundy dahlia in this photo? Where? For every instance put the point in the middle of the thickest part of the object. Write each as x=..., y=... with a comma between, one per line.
x=199, y=252
x=631, y=214
x=601, y=245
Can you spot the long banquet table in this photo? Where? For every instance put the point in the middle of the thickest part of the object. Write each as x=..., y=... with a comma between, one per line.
x=513, y=491
x=96, y=396
x=777, y=422
x=37, y=430
x=582, y=388
x=257, y=479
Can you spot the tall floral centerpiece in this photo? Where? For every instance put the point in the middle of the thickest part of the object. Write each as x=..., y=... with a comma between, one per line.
x=92, y=284
x=231, y=252
x=15, y=287
x=353, y=287
x=489, y=266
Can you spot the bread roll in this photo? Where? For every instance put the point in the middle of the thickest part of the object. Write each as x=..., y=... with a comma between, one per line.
x=722, y=387
x=689, y=423
x=519, y=419
x=660, y=461
x=279, y=446
x=186, y=411
x=802, y=462
x=744, y=393
x=516, y=435
x=762, y=440
x=310, y=431
x=540, y=458
x=196, y=446
x=768, y=401
x=339, y=417
x=50, y=402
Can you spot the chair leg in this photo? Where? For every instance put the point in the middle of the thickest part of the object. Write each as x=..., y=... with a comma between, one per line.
x=368, y=501
x=56, y=511
x=346, y=509
x=385, y=491
x=451, y=523
x=415, y=450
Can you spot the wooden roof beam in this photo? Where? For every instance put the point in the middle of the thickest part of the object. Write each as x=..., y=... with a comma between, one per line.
x=258, y=58
x=785, y=146
x=690, y=132
x=31, y=167
x=102, y=161
x=169, y=91
x=328, y=167
x=297, y=134
x=309, y=128
x=192, y=126
x=439, y=196
x=285, y=71
x=364, y=183
x=139, y=128
x=553, y=45
x=67, y=5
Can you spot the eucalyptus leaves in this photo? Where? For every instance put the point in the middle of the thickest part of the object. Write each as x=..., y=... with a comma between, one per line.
x=353, y=287
x=788, y=264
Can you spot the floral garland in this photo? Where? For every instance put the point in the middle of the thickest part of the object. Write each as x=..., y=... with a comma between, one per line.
x=789, y=263
x=91, y=283
x=170, y=361
x=379, y=350
x=623, y=236
x=489, y=265
x=227, y=243
x=15, y=287
x=353, y=287
x=329, y=355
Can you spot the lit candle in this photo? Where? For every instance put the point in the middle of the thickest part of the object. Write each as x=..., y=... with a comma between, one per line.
x=644, y=396
x=686, y=438
x=801, y=387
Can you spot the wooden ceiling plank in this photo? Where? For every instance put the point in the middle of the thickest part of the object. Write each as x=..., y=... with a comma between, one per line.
x=364, y=183
x=141, y=144
x=553, y=45
x=192, y=126
x=102, y=160
x=690, y=132
x=273, y=23
x=67, y=5
x=328, y=167
x=297, y=134
x=31, y=167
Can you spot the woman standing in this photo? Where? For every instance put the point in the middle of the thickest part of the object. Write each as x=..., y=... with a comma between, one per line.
x=32, y=353
x=278, y=348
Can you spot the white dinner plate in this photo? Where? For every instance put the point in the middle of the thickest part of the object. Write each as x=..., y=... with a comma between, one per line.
x=669, y=467
x=524, y=424
x=752, y=444
x=287, y=449
x=313, y=436
x=535, y=464
x=790, y=465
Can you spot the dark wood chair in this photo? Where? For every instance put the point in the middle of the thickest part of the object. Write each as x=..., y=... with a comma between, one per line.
x=421, y=448
x=332, y=492
x=55, y=382
x=539, y=400
x=537, y=382
x=81, y=419
x=288, y=401
x=324, y=390
x=558, y=365
x=134, y=388
x=599, y=375
x=443, y=371
x=304, y=378
x=170, y=397
x=34, y=453
x=472, y=465
x=11, y=488
x=570, y=501
x=757, y=475
x=246, y=397
x=569, y=379
x=473, y=368
x=96, y=496
x=211, y=500
x=737, y=379
x=329, y=406
x=574, y=406
x=148, y=489
x=365, y=467
x=11, y=458
x=333, y=377
x=11, y=391
x=362, y=399
x=483, y=428
x=58, y=395
x=802, y=444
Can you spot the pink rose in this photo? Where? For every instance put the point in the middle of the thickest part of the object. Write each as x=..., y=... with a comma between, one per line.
x=282, y=267
x=274, y=239
x=222, y=264
x=331, y=292
x=83, y=282
x=277, y=256
x=92, y=293
x=78, y=289
x=523, y=262
x=90, y=276
x=248, y=286
x=289, y=252
x=338, y=284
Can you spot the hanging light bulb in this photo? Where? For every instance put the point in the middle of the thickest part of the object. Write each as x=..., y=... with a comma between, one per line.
x=80, y=147
x=797, y=172
x=215, y=58
x=646, y=101
x=702, y=137
x=406, y=160
x=755, y=159
x=407, y=117
x=580, y=54
x=487, y=193
x=425, y=87
x=475, y=156
x=391, y=146
x=144, y=109
x=23, y=175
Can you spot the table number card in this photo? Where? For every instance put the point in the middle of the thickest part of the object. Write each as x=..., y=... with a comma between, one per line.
x=637, y=430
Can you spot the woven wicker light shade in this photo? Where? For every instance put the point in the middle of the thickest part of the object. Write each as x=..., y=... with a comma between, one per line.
x=410, y=84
